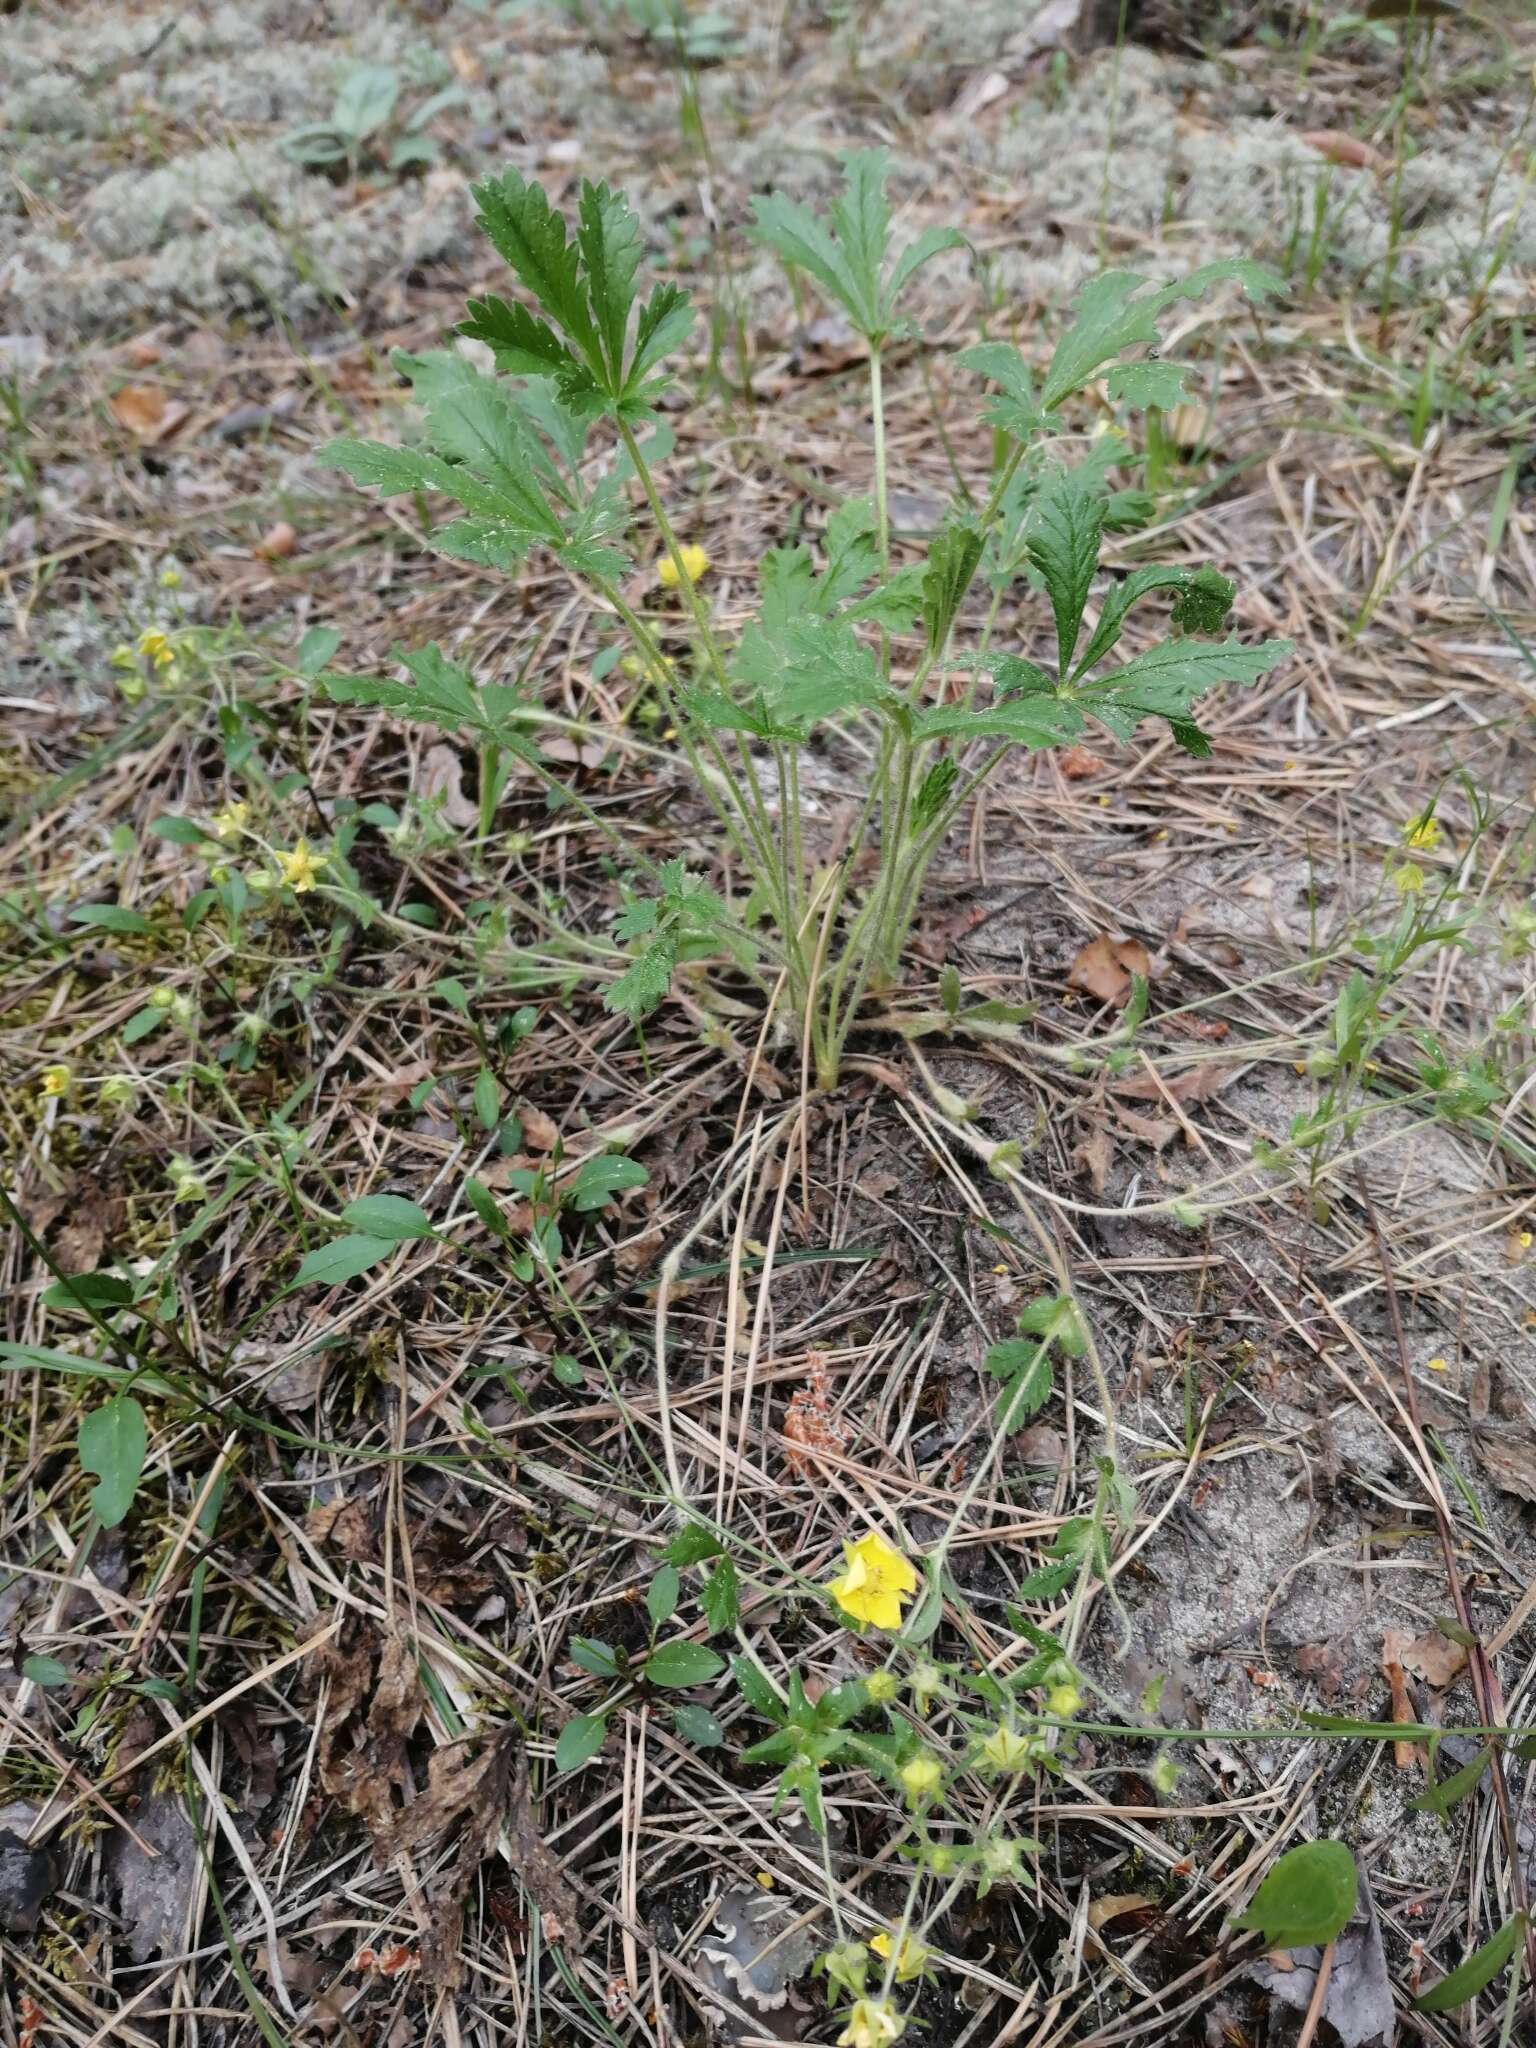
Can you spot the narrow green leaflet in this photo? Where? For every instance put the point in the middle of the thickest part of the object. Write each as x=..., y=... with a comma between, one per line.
x=609, y=239
x=1165, y=681
x=365, y=101
x=1445, y=1793
x=1037, y=720
x=661, y=1595
x=1476, y=1973
x=1063, y=544
x=1204, y=601
x=1013, y=407
x=952, y=561
x=441, y=693
x=720, y=1596
x=1160, y=384
x=530, y=238
x=1306, y=1899
x=112, y=1441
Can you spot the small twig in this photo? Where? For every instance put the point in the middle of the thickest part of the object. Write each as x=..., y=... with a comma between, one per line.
x=1318, y=2000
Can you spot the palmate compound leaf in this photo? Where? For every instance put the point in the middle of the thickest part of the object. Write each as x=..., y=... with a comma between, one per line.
x=1204, y=600
x=1115, y=312
x=586, y=288
x=812, y=669
x=484, y=452
x=848, y=257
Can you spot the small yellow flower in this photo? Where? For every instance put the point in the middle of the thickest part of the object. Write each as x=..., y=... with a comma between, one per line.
x=301, y=868
x=921, y=1776
x=911, y=1957
x=766, y=1879
x=872, y=2023
x=1422, y=833
x=695, y=563
x=170, y=577
x=232, y=820
x=1006, y=1750
x=1063, y=1701
x=1524, y=1240
x=875, y=1582
x=1408, y=878
x=155, y=647
x=880, y=1688
x=56, y=1080
x=1436, y=1365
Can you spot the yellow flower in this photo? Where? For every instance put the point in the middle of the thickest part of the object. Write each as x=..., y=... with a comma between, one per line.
x=1422, y=833
x=1006, y=1750
x=876, y=1581
x=694, y=561
x=56, y=1080
x=156, y=648
x=921, y=1776
x=301, y=868
x=1063, y=1701
x=872, y=2023
x=232, y=820
x=911, y=1957
x=881, y=1688
x=1408, y=878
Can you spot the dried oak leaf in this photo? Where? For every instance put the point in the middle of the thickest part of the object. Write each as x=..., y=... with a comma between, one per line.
x=1509, y=1460
x=1105, y=966
x=480, y=1795
x=361, y=1760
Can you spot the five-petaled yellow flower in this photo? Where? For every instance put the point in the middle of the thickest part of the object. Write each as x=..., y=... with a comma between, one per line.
x=694, y=561
x=911, y=1957
x=155, y=647
x=1422, y=833
x=232, y=820
x=301, y=868
x=56, y=1080
x=872, y=2023
x=874, y=1583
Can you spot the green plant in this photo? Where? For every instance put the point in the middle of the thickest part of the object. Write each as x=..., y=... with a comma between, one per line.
x=853, y=646
x=362, y=125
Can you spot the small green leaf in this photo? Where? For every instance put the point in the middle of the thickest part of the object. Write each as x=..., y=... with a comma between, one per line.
x=46, y=1671
x=661, y=1595
x=365, y=102
x=593, y=1656
x=453, y=993
x=1063, y=544
x=1445, y=1793
x=721, y=1597
x=698, y=1725
x=390, y=1217
x=580, y=1740
x=109, y=917
x=487, y=1099
x=315, y=649
x=755, y=1689
x=683, y=1663
x=599, y=1180
x=1025, y=1368
x=85, y=1291
x=1478, y=1971
x=342, y=1259
x=1306, y=1899
x=484, y=1204
x=691, y=1545
x=112, y=1440
x=180, y=831
x=949, y=990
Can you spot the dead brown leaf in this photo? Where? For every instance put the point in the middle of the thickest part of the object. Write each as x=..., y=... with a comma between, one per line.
x=1432, y=1657
x=479, y=1795
x=1404, y=1754
x=1195, y=1084
x=1150, y=1130
x=361, y=1760
x=1104, y=968
x=1095, y=1155
x=1340, y=147
x=540, y=1132
x=145, y=410
x=1115, y=1906
x=345, y=1526
x=442, y=779
x=389, y=1094
x=1509, y=1460
x=811, y=1429
x=1079, y=764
